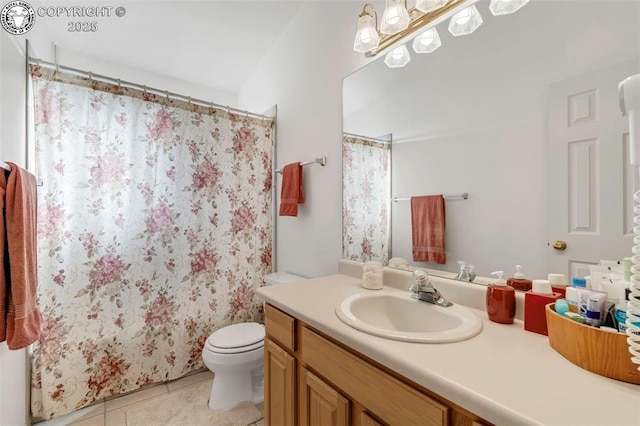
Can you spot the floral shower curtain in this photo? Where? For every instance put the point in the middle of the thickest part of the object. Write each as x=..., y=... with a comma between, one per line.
x=366, y=194
x=154, y=230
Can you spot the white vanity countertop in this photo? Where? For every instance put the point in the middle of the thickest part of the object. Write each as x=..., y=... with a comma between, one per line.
x=505, y=375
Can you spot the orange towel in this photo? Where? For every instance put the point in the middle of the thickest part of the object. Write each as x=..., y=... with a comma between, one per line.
x=20, y=273
x=291, y=194
x=4, y=303
x=427, y=229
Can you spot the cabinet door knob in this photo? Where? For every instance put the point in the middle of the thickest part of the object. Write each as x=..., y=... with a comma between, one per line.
x=559, y=245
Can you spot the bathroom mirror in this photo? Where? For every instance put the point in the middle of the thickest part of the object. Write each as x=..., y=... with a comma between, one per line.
x=472, y=117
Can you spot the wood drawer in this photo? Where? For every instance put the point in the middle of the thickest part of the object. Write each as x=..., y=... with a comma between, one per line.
x=389, y=399
x=280, y=327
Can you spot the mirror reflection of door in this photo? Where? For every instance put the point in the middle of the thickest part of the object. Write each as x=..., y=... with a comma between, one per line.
x=366, y=195
x=590, y=180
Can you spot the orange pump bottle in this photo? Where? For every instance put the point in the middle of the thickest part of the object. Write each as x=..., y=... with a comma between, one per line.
x=501, y=301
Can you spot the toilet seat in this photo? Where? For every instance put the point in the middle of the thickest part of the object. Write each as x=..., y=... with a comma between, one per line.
x=236, y=338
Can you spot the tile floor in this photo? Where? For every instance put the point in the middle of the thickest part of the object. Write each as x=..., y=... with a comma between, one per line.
x=111, y=411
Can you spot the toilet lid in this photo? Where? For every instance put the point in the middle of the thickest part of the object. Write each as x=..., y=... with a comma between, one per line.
x=237, y=336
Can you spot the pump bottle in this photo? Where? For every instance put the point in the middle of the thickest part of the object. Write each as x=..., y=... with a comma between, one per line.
x=501, y=300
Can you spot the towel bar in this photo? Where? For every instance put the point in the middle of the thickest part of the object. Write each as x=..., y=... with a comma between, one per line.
x=322, y=161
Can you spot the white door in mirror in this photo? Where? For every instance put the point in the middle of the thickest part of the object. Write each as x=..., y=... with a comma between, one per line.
x=589, y=210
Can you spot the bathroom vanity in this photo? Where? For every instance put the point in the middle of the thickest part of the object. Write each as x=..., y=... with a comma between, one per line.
x=320, y=371
x=319, y=381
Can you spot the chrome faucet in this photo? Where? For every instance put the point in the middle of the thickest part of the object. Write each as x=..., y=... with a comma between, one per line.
x=423, y=290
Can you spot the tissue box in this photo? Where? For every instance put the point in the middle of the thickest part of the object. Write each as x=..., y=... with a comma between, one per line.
x=535, y=318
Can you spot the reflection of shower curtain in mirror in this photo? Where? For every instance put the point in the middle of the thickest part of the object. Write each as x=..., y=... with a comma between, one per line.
x=366, y=196
x=154, y=230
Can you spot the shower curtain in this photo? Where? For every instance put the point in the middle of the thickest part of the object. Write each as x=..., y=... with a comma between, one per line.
x=366, y=195
x=154, y=230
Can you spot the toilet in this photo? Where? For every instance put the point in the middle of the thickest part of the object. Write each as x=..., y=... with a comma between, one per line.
x=235, y=355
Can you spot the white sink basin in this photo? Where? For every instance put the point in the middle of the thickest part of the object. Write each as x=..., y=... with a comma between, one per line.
x=394, y=315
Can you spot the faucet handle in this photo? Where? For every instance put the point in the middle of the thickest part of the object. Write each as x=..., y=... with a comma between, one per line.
x=421, y=281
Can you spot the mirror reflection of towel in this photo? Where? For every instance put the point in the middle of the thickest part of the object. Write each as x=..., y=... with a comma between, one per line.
x=427, y=229
x=291, y=194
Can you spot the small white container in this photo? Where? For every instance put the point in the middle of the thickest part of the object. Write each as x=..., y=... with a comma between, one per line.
x=372, y=273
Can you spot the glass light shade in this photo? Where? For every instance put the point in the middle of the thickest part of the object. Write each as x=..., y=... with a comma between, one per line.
x=367, y=37
x=395, y=17
x=398, y=57
x=505, y=7
x=430, y=5
x=427, y=42
x=465, y=22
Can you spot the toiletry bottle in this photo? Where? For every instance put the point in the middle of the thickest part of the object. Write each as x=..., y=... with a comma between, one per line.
x=571, y=293
x=592, y=317
x=519, y=280
x=558, y=283
x=501, y=300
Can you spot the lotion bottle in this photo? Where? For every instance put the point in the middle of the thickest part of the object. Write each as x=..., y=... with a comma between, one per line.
x=501, y=301
x=519, y=280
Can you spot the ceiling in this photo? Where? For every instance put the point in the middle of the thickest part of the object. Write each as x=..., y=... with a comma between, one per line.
x=213, y=43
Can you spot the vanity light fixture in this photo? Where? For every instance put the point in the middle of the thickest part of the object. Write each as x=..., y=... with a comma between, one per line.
x=505, y=7
x=399, y=24
x=398, y=57
x=465, y=22
x=367, y=37
x=429, y=5
x=427, y=42
x=395, y=17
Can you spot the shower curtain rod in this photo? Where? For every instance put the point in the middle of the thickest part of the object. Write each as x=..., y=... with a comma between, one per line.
x=366, y=138
x=91, y=76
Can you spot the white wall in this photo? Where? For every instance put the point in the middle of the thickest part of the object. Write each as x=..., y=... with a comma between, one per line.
x=503, y=223
x=303, y=74
x=125, y=73
x=14, y=383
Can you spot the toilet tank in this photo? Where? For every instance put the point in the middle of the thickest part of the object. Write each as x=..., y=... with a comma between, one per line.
x=281, y=278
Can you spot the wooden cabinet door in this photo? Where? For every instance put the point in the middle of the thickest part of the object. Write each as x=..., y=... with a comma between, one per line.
x=319, y=403
x=367, y=420
x=279, y=386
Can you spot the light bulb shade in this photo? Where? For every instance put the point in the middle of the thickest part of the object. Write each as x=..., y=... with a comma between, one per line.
x=398, y=57
x=430, y=5
x=465, y=22
x=395, y=17
x=505, y=7
x=427, y=42
x=367, y=37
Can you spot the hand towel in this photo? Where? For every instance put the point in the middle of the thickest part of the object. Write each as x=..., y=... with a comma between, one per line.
x=23, y=316
x=291, y=194
x=427, y=228
x=4, y=302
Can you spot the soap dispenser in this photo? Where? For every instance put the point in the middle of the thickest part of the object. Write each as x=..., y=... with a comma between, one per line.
x=501, y=300
x=519, y=280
